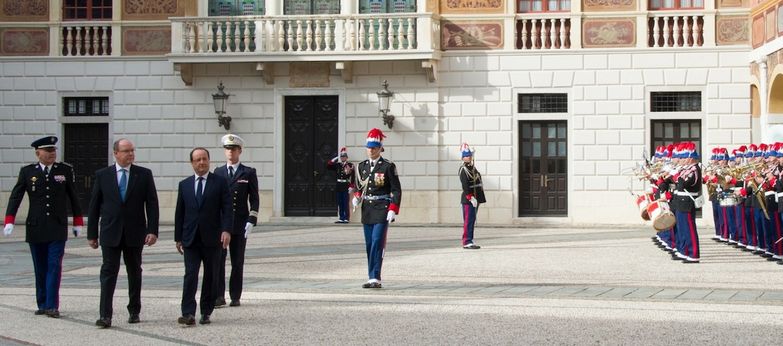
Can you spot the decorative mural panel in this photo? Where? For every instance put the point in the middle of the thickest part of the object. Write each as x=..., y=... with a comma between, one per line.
x=146, y=40
x=24, y=42
x=771, y=29
x=473, y=35
x=608, y=32
x=732, y=30
x=731, y=3
x=152, y=9
x=780, y=19
x=608, y=5
x=309, y=74
x=757, y=29
x=472, y=6
x=24, y=10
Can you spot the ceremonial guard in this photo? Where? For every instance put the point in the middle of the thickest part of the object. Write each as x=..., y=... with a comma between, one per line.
x=50, y=187
x=743, y=211
x=660, y=183
x=687, y=198
x=750, y=201
x=344, y=186
x=379, y=194
x=767, y=181
x=779, y=194
x=243, y=185
x=710, y=179
x=472, y=196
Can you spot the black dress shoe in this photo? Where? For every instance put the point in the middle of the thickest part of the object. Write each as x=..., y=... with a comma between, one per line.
x=234, y=303
x=187, y=320
x=39, y=312
x=204, y=319
x=366, y=285
x=103, y=322
x=53, y=313
x=134, y=318
x=220, y=302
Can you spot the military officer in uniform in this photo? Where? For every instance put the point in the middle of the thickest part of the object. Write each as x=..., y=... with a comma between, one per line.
x=379, y=193
x=472, y=196
x=49, y=186
x=243, y=185
x=345, y=178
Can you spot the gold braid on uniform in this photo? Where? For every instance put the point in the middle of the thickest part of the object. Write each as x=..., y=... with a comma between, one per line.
x=472, y=174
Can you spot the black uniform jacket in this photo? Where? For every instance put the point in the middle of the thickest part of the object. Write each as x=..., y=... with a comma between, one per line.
x=688, y=181
x=244, y=189
x=380, y=188
x=130, y=220
x=47, y=216
x=472, y=185
x=343, y=179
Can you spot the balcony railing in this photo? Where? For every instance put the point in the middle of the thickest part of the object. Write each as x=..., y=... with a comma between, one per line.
x=543, y=32
x=85, y=38
x=319, y=37
x=675, y=30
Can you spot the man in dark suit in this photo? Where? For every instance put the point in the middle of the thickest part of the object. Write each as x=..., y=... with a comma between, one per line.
x=49, y=186
x=243, y=184
x=202, y=229
x=125, y=201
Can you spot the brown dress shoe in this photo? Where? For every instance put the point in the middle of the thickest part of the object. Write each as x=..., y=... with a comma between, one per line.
x=187, y=320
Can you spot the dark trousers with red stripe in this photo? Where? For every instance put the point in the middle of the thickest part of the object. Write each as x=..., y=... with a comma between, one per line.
x=342, y=205
x=761, y=234
x=741, y=223
x=750, y=226
x=717, y=217
x=730, y=217
x=667, y=236
x=687, y=236
x=468, y=222
x=48, y=266
x=375, y=244
x=773, y=233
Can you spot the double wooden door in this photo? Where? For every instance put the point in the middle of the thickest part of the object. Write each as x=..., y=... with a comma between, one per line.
x=310, y=141
x=85, y=147
x=543, y=168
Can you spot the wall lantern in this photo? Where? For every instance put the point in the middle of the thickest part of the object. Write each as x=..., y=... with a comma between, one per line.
x=221, y=102
x=384, y=98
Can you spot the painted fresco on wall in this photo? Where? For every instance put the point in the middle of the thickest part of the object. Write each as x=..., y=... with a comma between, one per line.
x=152, y=9
x=471, y=35
x=309, y=74
x=780, y=19
x=608, y=5
x=472, y=6
x=771, y=24
x=732, y=30
x=24, y=10
x=731, y=3
x=24, y=42
x=603, y=32
x=757, y=28
x=146, y=41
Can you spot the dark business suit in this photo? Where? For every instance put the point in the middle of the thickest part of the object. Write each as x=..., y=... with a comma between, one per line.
x=198, y=225
x=244, y=189
x=46, y=227
x=124, y=226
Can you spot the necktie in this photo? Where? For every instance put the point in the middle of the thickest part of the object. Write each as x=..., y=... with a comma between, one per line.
x=199, y=190
x=123, y=183
x=231, y=172
x=46, y=170
x=372, y=165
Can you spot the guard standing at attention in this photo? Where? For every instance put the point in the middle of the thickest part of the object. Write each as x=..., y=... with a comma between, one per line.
x=344, y=186
x=243, y=185
x=687, y=198
x=49, y=186
x=472, y=196
x=380, y=195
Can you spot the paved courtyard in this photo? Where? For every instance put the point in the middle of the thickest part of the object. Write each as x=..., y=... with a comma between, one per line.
x=527, y=285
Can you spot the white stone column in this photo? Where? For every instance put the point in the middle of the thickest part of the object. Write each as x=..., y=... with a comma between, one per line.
x=203, y=8
x=274, y=7
x=348, y=7
x=763, y=97
x=510, y=23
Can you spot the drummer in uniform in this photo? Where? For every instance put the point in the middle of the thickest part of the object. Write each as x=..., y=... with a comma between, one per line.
x=660, y=184
x=380, y=194
x=686, y=194
x=344, y=185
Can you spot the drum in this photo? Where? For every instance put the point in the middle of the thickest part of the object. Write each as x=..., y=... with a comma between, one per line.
x=642, y=201
x=661, y=215
x=727, y=200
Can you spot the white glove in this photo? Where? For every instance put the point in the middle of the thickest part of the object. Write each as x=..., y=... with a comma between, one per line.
x=355, y=202
x=248, y=229
x=390, y=216
x=76, y=231
x=474, y=202
x=335, y=159
x=9, y=228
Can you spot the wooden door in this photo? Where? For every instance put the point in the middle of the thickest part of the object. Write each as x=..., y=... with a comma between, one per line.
x=310, y=141
x=85, y=148
x=543, y=168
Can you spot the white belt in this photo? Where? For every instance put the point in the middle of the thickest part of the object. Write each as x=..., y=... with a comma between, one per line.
x=342, y=180
x=769, y=193
x=686, y=193
x=780, y=194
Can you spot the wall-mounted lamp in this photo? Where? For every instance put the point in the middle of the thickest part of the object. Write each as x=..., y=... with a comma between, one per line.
x=384, y=98
x=221, y=102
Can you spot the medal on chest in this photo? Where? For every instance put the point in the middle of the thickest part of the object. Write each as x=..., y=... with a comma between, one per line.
x=32, y=182
x=379, y=179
